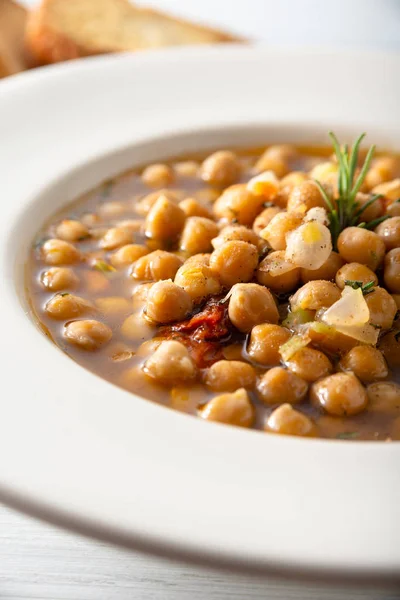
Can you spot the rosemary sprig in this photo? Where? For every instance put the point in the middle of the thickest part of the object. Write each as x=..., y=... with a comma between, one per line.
x=344, y=211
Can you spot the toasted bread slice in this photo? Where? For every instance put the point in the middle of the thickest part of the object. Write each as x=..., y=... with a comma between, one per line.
x=65, y=29
x=12, y=26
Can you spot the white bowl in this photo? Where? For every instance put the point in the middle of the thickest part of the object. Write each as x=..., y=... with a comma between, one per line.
x=83, y=453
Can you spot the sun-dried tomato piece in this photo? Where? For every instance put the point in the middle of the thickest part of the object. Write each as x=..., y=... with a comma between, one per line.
x=204, y=334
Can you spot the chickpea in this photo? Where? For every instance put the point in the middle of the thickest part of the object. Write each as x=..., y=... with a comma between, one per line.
x=59, y=252
x=382, y=308
x=396, y=298
x=390, y=190
x=187, y=168
x=170, y=363
x=143, y=206
x=167, y=302
x=279, y=386
x=391, y=273
x=158, y=175
x=197, y=235
x=137, y=328
x=384, y=168
x=275, y=272
x=115, y=238
x=285, y=420
x=315, y=295
x=339, y=395
x=71, y=230
x=192, y=208
x=366, y=363
x=229, y=375
x=196, y=277
x=304, y=196
x=393, y=209
x=90, y=219
x=251, y=304
x=354, y=271
x=383, y=396
x=235, y=232
x=139, y=295
x=234, y=262
x=231, y=409
x=371, y=212
x=325, y=173
x=128, y=254
x=165, y=220
x=356, y=244
x=277, y=159
x=207, y=194
x=389, y=232
x=280, y=225
x=390, y=347
x=221, y=168
x=326, y=271
x=98, y=232
x=132, y=225
x=88, y=334
x=200, y=260
x=286, y=185
x=264, y=344
x=67, y=306
x=113, y=210
x=264, y=218
x=156, y=265
x=113, y=306
x=309, y=364
x=238, y=204
x=59, y=278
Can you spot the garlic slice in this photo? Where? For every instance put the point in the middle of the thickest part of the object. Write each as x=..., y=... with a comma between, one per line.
x=349, y=311
x=309, y=246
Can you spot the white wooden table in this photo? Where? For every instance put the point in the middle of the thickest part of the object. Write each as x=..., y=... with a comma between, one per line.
x=39, y=562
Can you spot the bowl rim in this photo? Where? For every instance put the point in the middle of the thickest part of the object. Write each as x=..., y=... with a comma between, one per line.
x=55, y=487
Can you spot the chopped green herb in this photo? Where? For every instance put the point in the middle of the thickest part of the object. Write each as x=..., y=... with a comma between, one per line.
x=366, y=288
x=104, y=267
x=347, y=435
x=64, y=294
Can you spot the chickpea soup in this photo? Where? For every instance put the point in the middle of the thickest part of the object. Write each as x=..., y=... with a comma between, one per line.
x=255, y=288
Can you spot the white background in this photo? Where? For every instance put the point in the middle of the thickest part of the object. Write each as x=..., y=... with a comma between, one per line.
x=39, y=562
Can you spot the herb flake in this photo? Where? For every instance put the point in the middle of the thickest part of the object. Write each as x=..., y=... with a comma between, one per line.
x=103, y=267
x=366, y=288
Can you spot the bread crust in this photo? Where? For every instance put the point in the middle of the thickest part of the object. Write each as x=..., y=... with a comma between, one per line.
x=47, y=45
x=12, y=25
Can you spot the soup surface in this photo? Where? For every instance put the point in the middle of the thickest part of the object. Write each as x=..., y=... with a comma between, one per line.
x=256, y=288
